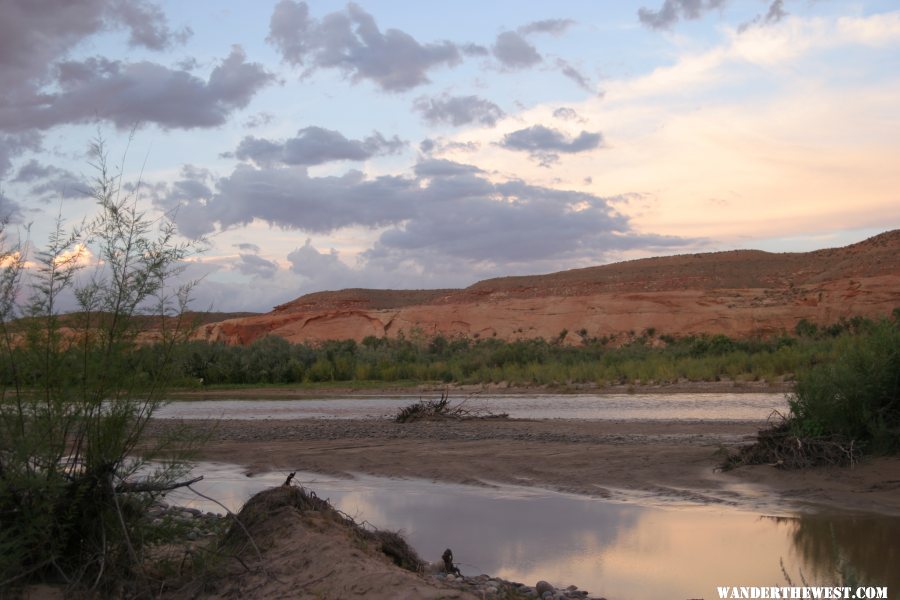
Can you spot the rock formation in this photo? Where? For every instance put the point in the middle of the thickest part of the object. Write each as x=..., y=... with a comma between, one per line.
x=737, y=293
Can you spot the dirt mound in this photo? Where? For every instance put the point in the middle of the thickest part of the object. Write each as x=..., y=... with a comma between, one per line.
x=303, y=548
x=738, y=293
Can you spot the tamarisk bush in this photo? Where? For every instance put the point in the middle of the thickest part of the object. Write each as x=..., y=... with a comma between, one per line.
x=73, y=417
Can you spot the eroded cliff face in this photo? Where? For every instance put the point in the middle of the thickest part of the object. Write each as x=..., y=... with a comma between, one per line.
x=739, y=293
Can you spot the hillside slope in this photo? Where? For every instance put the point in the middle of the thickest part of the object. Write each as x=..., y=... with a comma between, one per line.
x=737, y=293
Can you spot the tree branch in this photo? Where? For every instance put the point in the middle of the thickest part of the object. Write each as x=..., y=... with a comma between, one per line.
x=127, y=487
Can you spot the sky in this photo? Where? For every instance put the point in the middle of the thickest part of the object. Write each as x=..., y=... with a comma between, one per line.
x=392, y=144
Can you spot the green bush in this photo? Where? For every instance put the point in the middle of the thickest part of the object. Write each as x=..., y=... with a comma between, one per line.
x=856, y=396
x=74, y=407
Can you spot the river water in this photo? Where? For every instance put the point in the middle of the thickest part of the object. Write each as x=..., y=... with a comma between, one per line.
x=620, y=550
x=630, y=550
x=701, y=406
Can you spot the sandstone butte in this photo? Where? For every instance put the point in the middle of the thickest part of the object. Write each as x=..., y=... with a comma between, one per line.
x=737, y=293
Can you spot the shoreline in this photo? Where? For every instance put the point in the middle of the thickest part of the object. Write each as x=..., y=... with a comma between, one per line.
x=294, y=392
x=669, y=463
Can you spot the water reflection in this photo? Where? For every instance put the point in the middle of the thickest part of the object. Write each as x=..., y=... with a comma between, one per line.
x=615, y=549
x=852, y=550
x=709, y=407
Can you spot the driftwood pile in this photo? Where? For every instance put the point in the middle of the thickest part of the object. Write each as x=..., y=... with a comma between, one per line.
x=780, y=446
x=437, y=410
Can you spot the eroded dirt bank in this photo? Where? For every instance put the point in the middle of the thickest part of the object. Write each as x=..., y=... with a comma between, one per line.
x=658, y=461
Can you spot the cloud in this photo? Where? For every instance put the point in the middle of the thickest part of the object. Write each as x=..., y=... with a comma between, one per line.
x=13, y=145
x=312, y=264
x=288, y=197
x=482, y=223
x=474, y=50
x=258, y=120
x=551, y=26
x=514, y=52
x=774, y=15
x=443, y=211
x=349, y=40
x=10, y=210
x=147, y=24
x=566, y=113
x=543, y=143
x=185, y=199
x=574, y=74
x=438, y=145
x=48, y=182
x=438, y=167
x=673, y=11
x=35, y=38
x=33, y=35
x=458, y=110
x=315, y=146
x=256, y=266
x=143, y=92
x=248, y=247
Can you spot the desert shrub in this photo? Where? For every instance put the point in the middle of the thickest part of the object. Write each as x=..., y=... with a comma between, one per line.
x=856, y=396
x=840, y=409
x=74, y=407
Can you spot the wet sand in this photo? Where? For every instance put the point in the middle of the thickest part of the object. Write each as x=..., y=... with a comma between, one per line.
x=650, y=462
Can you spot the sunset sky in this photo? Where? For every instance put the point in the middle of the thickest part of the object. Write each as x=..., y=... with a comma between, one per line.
x=393, y=144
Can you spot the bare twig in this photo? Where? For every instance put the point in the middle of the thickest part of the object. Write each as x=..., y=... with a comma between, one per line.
x=127, y=487
x=236, y=520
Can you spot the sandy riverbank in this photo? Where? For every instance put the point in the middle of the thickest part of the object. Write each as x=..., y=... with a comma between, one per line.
x=288, y=392
x=652, y=462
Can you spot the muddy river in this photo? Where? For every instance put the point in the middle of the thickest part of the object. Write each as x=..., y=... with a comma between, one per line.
x=636, y=550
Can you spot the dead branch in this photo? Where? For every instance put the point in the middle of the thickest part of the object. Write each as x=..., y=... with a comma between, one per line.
x=132, y=487
x=781, y=447
x=435, y=410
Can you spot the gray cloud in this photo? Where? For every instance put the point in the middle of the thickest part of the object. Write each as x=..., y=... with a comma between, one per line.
x=185, y=199
x=288, y=197
x=479, y=222
x=474, y=50
x=33, y=35
x=36, y=36
x=514, y=52
x=441, y=213
x=430, y=145
x=543, y=143
x=566, y=114
x=48, y=182
x=458, y=110
x=673, y=11
x=147, y=24
x=350, y=41
x=248, y=247
x=10, y=210
x=315, y=146
x=13, y=145
x=574, y=74
x=310, y=263
x=142, y=92
x=551, y=26
x=774, y=14
x=258, y=120
x=256, y=266
x=437, y=167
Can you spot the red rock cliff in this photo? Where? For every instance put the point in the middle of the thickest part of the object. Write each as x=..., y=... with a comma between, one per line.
x=738, y=293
